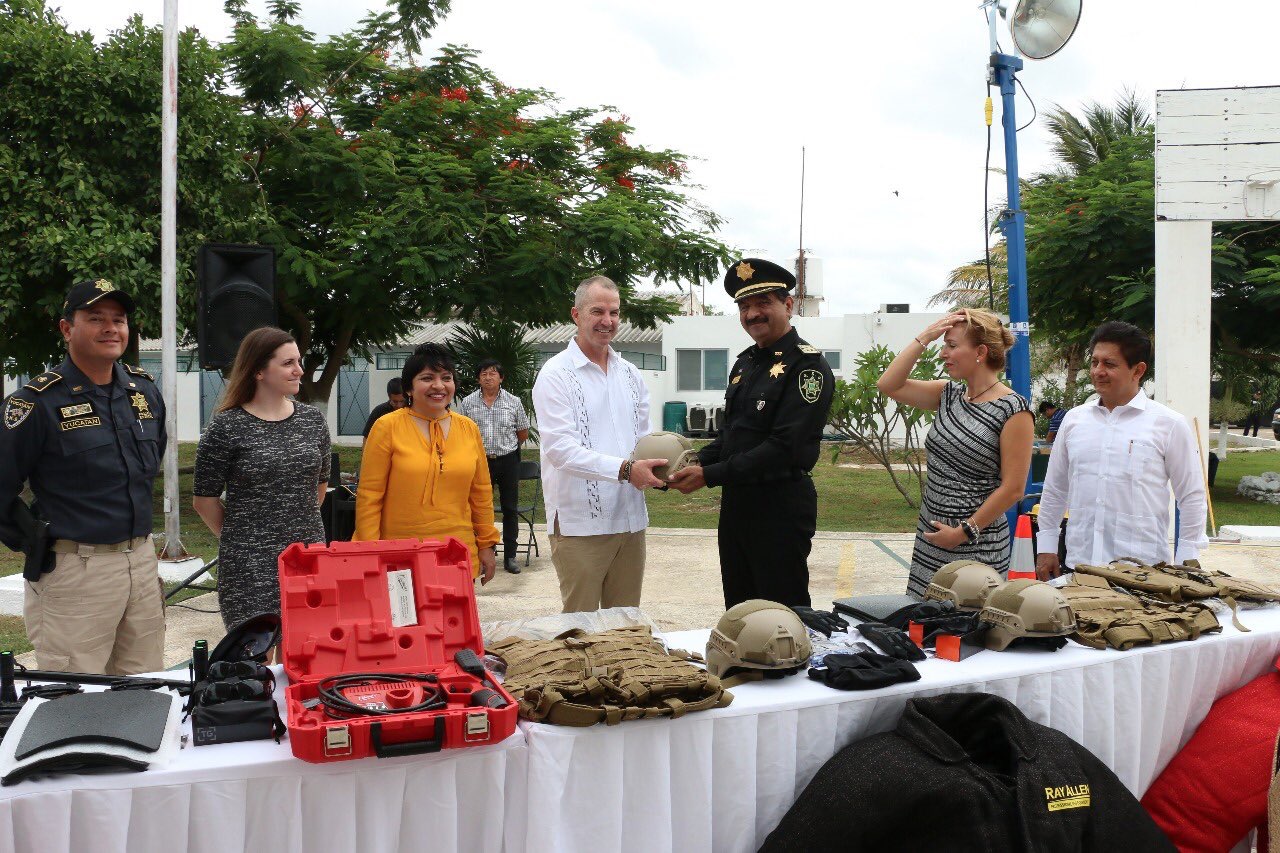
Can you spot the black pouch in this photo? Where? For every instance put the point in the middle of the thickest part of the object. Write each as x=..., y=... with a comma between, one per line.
x=239, y=719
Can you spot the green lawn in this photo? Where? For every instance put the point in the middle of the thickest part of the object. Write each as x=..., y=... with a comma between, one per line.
x=848, y=500
x=1230, y=508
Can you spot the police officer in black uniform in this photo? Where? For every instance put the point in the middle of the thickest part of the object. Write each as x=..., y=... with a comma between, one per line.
x=89, y=436
x=775, y=410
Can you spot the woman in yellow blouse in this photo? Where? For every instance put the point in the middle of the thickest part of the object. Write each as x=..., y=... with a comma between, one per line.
x=424, y=474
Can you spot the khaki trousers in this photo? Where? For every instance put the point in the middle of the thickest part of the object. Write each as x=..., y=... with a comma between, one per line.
x=601, y=571
x=100, y=613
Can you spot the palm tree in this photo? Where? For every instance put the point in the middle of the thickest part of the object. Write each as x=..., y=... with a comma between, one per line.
x=967, y=284
x=1085, y=140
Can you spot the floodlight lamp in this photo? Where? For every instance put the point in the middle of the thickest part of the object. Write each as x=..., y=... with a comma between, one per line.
x=1040, y=28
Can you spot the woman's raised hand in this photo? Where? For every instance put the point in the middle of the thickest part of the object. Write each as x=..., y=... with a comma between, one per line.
x=938, y=328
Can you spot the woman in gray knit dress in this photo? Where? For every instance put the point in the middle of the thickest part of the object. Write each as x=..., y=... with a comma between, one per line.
x=978, y=448
x=271, y=456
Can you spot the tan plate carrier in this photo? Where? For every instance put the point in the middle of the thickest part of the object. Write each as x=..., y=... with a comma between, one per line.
x=580, y=679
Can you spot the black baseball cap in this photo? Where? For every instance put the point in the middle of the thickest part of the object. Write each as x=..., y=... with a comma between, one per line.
x=86, y=294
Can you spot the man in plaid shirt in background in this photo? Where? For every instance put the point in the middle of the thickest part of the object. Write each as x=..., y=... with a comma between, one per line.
x=504, y=426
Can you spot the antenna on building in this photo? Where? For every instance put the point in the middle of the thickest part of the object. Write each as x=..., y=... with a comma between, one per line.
x=800, y=265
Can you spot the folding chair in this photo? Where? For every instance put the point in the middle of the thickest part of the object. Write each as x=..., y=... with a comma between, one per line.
x=528, y=512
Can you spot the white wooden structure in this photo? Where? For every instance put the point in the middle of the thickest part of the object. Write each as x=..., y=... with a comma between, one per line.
x=1217, y=159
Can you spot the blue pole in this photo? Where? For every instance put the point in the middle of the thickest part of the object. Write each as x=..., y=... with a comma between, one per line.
x=1013, y=226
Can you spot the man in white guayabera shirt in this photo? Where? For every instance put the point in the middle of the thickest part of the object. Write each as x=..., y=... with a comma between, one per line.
x=592, y=407
x=1113, y=463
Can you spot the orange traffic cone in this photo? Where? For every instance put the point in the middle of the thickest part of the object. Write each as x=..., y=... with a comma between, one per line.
x=1023, y=562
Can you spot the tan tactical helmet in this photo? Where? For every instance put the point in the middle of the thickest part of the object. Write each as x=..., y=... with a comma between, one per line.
x=1026, y=608
x=671, y=446
x=966, y=583
x=758, y=634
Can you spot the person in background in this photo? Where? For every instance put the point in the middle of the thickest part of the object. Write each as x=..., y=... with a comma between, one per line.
x=1055, y=414
x=88, y=437
x=592, y=407
x=1257, y=411
x=1113, y=465
x=269, y=454
x=425, y=474
x=395, y=400
x=978, y=447
x=504, y=426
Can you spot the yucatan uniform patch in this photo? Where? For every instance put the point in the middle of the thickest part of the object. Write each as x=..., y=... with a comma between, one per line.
x=810, y=385
x=16, y=410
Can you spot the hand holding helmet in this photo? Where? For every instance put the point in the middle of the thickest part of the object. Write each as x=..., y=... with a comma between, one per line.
x=657, y=456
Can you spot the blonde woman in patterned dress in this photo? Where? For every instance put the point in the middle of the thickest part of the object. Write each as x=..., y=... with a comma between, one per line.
x=978, y=447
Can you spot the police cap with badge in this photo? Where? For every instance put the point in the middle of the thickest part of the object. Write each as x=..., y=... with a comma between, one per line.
x=750, y=276
x=86, y=294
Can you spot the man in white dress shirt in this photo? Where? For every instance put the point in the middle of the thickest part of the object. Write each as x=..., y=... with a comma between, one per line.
x=1113, y=464
x=592, y=407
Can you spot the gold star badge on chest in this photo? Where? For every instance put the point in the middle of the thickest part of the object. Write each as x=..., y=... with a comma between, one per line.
x=776, y=370
x=140, y=405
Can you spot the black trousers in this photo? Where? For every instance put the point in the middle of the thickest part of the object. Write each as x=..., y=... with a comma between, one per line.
x=765, y=535
x=504, y=472
x=1253, y=421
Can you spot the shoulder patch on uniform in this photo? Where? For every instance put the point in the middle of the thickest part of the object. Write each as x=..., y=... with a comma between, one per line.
x=805, y=348
x=16, y=411
x=138, y=371
x=43, y=381
x=810, y=385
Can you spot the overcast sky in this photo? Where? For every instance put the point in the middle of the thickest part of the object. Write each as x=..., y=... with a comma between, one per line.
x=886, y=98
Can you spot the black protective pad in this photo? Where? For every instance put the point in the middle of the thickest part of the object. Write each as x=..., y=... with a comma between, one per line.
x=73, y=762
x=873, y=608
x=132, y=718
x=250, y=640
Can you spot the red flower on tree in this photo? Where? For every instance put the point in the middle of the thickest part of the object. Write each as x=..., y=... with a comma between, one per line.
x=626, y=182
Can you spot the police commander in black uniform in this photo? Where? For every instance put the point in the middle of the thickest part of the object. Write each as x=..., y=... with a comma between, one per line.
x=775, y=409
x=88, y=436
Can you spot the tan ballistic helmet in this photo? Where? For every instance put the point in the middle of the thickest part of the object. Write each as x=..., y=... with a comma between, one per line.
x=758, y=634
x=671, y=446
x=1026, y=608
x=966, y=583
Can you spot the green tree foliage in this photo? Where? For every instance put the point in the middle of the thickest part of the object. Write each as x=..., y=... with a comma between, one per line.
x=1085, y=231
x=80, y=170
x=396, y=192
x=1091, y=246
x=871, y=422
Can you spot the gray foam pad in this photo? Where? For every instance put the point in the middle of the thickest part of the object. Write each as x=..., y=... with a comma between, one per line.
x=74, y=763
x=133, y=718
x=873, y=608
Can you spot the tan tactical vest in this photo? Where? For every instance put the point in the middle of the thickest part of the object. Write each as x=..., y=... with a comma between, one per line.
x=1106, y=616
x=581, y=679
x=1185, y=582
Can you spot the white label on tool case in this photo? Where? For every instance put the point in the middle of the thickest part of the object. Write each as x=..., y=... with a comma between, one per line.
x=400, y=588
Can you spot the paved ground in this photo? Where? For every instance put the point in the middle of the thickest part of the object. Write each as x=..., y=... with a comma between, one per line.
x=682, y=582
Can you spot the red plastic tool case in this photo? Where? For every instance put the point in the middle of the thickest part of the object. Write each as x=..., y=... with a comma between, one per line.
x=337, y=613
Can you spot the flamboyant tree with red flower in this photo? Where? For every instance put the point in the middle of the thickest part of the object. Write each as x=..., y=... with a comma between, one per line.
x=397, y=191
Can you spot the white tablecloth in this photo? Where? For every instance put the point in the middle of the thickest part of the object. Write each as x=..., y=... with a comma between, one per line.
x=256, y=797
x=714, y=780
x=721, y=780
